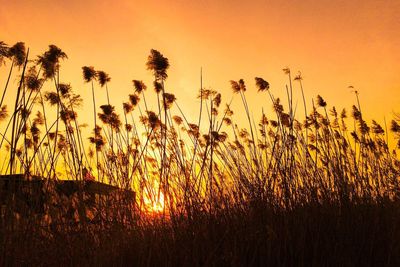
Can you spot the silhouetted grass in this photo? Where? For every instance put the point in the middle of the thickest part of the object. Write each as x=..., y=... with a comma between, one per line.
x=288, y=190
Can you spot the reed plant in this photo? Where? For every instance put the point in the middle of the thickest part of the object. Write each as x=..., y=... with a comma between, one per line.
x=292, y=189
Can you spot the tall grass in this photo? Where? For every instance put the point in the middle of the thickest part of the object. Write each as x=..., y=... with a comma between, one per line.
x=290, y=189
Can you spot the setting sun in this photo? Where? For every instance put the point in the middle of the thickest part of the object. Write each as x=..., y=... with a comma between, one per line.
x=154, y=203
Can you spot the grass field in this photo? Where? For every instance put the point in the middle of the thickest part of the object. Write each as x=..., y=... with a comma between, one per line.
x=298, y=186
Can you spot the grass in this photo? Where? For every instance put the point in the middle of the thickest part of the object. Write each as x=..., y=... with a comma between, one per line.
x=288, y=190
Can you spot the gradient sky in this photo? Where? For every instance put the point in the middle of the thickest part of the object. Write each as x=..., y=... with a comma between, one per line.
x=333, y=43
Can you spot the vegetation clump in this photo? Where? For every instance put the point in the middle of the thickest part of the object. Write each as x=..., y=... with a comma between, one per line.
x=313, y=189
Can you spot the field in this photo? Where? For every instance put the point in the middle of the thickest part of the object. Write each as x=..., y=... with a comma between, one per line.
x=297, y=185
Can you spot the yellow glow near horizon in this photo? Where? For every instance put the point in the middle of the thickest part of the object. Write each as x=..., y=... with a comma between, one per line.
x=153, y=199
x=154, y=206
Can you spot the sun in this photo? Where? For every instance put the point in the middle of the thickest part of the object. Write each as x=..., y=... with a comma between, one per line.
x=154, y=203
x=157, y=205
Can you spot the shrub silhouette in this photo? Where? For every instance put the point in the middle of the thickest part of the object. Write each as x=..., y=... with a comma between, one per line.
x=291, y=189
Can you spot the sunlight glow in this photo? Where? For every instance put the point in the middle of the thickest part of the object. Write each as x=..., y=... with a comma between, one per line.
x=154, y=200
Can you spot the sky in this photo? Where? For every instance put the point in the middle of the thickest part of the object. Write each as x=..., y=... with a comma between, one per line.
x=333, y=43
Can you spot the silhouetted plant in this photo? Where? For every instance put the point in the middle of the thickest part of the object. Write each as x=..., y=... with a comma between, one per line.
x=104, y=79
x=197, y=185
x=261, y=84
x=4, y=52
x=17, y=53
x=50, y=61
x=158, y=64
x=3, y=113
x=89, y=75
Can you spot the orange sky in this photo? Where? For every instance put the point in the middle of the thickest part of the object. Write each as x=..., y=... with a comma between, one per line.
x=333, y=43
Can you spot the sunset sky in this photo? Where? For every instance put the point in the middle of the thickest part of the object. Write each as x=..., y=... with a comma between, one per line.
x=333, y=43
